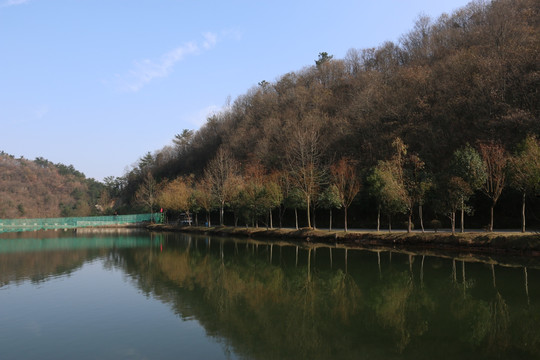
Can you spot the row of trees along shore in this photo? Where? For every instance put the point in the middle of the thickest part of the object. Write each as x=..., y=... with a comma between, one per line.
x=446, y=119
x=399, y=184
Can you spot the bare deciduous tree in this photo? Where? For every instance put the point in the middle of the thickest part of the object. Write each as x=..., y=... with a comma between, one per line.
x=346, y=180
x=220, y=174
x=146, y=194
x=495, y=160
x=202, y=196
x=304, y=158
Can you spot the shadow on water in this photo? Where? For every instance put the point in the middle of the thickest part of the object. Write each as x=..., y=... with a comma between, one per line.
x=278, y=300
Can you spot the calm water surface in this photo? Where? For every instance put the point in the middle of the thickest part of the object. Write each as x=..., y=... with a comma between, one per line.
x=136, y=295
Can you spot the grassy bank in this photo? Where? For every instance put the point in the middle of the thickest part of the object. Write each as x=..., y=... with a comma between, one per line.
x=516, y=243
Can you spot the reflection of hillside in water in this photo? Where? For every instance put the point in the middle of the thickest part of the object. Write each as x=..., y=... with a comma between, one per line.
x=282, y=301
x=268, y=303
x=38, y=256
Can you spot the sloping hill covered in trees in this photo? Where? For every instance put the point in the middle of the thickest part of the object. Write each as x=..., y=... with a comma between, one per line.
x=469, y=78
x=39, y=188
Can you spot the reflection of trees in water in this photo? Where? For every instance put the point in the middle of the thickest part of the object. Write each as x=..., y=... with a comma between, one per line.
x=346, y=294
x=33, y=266
x=485, y=324
x=489, y=324
x=266, y=309
x=498, y=324
x=344, y=305
x=402, y=307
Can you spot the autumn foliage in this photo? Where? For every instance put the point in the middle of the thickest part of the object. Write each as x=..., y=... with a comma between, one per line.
x=39, y=188
x=466, y=79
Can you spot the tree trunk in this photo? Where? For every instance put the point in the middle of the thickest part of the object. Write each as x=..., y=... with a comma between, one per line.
x=421, y=219
x=389, y=223
x=308, y=203
x=314, y=218
x=345, y=218
x=523, y=213
x=270, y=213
x=197, y=219
x=221, y=214
x=208, y=218
x=453, y=220
x=330, y=223
x=462, y=215
x=296, y=217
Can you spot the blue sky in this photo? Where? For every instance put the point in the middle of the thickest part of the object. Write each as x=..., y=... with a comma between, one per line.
x=98, y=83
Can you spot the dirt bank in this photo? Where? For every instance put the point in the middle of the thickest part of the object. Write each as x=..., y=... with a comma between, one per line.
x=514, y=243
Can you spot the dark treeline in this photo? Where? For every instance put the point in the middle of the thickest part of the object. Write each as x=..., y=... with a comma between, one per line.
x=464, y=86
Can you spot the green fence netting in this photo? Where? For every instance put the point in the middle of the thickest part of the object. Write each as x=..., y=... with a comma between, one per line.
x=11, y=225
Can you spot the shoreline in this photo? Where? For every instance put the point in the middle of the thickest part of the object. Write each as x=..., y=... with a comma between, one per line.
x=527, y=244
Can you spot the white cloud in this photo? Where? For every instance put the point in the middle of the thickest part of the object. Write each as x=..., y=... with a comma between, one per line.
x=147, y=70
x=9, y=3
x=210, y=40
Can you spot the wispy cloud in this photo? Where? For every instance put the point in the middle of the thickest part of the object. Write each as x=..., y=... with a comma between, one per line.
x=199, y=118
x=9, y=3
x=144, y=71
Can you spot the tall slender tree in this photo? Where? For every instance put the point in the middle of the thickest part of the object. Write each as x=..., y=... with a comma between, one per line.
x=304, y=156
x=330, y=199
x=295, y=200
x=203, y=198
x=346, y=181
x=388, y=190
x=272, y=197
x=525, y=171
x=220, y=174
x=467, y=174
x=495, y=160
x=146, y=194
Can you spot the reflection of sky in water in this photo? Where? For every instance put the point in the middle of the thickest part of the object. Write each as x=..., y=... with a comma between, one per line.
x=95, y=313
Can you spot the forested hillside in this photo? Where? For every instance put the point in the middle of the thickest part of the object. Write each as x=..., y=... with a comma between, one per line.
x=402, y=114
x=39, y=188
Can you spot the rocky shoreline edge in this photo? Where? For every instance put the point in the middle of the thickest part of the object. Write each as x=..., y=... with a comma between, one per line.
x=527, y=244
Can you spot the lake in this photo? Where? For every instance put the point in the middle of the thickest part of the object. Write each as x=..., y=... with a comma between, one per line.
x=119, y=294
